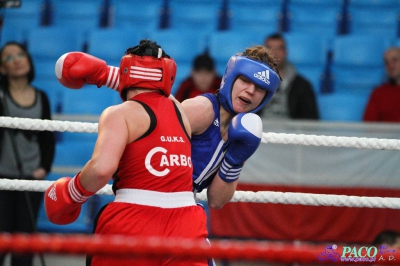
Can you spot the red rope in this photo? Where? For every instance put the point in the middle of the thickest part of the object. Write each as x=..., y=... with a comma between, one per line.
x=123, y=246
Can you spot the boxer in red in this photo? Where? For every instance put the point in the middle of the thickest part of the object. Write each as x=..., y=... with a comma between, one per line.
x=145, y=141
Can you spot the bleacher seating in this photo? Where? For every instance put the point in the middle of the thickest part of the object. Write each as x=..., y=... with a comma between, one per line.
x=136, y=15
x=49, y=43
x=110, y=44
x=309, y=53
x=88, y=101
x=46, y=45
x=374, y=4
x=357, y=64
x=384, y=21
x=255, y=15
x=323, y=17
x=194, y=15
x=8, y=34
x=342, y=107
x=53, y=89
x=25, y=17
x=73, y=153
x=183, y=47
x=84, y=15
x=224, y=44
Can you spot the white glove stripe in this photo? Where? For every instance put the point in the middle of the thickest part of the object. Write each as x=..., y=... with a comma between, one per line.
x=228, y=170
x=113, y=78
x=232, y=177
x=75, y=194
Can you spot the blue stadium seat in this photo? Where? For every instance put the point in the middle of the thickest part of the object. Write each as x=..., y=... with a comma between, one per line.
x=77, y=14
x=72, y=153
x=384, y=21
x=373, y=4
x=224, y=44
x=358, y=80
x=53, y=89
x=323, y=17
x=46, y=45
x=309, y=53
x=44, y=70
x=342, y=107
x=52, y=42
x=144, y=15
x=182, y=47
x=8, y=34
x=87, y=101
x=79, y=137
x=194, y=15
x=307, y=49
x=357, y=63
x=110, y=44
x=24, y=18
x=262, y=15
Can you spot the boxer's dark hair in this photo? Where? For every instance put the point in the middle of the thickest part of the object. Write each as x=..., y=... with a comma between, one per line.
x=147, y=48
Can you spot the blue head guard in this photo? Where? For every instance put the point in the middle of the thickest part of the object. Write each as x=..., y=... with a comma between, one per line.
x=257, y=72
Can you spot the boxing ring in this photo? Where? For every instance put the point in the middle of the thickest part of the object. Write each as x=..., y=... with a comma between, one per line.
x=223, y=249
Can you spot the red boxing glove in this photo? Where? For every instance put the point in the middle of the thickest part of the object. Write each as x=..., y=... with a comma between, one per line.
x=64, y=198
x=75, y=69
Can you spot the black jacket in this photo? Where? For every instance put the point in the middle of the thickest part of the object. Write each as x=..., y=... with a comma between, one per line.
x=301, y=100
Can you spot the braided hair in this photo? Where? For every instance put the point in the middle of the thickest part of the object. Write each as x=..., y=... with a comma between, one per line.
x=147, y=48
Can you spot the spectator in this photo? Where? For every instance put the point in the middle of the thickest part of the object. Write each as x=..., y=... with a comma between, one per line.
x=24, y=154
x=388, y=238
x=295, y=98
x=384, y=102
x=203, y=79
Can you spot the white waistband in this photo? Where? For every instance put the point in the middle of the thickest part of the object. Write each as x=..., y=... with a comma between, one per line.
x=155, y=198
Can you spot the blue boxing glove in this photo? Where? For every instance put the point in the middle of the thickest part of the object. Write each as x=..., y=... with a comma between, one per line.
x=244, y=137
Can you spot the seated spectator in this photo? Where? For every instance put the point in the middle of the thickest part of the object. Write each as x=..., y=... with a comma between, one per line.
x=384, y=102
x=203, y=79
x=295, y=98
x=387, y=238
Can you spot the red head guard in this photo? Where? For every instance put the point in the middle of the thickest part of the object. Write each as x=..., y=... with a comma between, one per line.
x=146, y=72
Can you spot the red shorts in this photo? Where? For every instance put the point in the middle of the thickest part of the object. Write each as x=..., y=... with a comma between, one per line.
x=139, y=220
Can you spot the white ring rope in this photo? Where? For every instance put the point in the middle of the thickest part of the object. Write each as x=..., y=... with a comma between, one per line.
x=239, y=196
x=243, y=196
x=277, y=138
x=49, y=125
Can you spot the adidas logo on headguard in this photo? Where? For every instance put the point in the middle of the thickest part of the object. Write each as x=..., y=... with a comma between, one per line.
x=263, y=75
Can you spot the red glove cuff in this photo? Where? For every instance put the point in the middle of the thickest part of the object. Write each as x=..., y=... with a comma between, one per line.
x=77, y=192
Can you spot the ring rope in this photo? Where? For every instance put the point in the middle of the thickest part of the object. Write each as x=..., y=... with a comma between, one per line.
x=277, y=138
x=155, y=247
x=243, y=196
